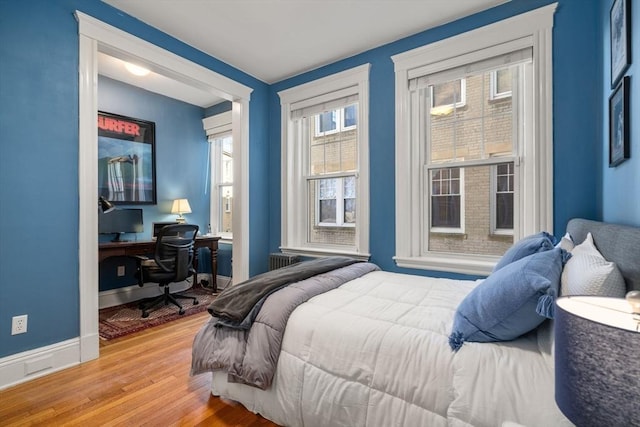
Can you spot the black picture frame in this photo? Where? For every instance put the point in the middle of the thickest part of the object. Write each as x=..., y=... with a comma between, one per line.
x=126, y=159
x=619, y=123
x=620, y=40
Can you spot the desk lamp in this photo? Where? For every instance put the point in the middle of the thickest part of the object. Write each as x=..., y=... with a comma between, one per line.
x=597, y=370
x=105, y=205
x=180, y=206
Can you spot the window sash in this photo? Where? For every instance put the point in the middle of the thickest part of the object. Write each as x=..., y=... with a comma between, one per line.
x=445, y=213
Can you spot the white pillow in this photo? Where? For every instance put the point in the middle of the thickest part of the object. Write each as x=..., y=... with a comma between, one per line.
x=588, y=273
x=566, y=243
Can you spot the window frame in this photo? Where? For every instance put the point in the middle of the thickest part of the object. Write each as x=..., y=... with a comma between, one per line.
x=218, y=127
x=294, y=184
x=533, y=29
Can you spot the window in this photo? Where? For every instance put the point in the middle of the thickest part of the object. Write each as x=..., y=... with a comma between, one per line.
x=336, y=202
x=218, y=129
x=473, y=144
x=325, y=166
x=336, y=121
x=502, y=218
x=223, y=158
x=447, y=96
x=501, y=83
x=446, y=200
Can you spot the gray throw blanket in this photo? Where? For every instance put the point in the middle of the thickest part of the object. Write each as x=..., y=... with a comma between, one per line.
x=237, y=306
x=251, y=356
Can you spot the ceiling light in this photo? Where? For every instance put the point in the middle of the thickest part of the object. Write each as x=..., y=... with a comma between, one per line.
x=136, y=69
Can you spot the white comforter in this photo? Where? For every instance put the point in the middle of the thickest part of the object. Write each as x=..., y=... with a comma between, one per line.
x=375, y=352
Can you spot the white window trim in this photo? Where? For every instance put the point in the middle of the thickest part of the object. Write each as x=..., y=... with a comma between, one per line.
x=531, y=29
x=294, y=217
x=217, y=126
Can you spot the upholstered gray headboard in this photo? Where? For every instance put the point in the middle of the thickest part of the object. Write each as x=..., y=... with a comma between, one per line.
x=617, y=243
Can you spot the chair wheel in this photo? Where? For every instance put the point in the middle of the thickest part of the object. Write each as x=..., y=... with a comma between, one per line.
x=195, y=302
x=181, y=312
x=145, y=315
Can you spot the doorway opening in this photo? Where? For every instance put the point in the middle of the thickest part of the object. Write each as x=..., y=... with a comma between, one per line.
x=97, y=37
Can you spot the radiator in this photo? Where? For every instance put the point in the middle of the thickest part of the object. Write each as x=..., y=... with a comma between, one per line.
x=277, y=260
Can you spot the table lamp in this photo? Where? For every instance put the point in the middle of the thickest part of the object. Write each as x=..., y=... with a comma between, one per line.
x=597, y=359
x=180, y=206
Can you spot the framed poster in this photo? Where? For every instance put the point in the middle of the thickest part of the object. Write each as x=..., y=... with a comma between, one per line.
x=619, y=123
x=126, y=159
x=620, y=25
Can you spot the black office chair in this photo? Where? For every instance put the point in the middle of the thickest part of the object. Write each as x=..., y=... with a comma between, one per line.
x=172, y=262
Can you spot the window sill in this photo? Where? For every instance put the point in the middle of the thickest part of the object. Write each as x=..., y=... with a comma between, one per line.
x=479, y=265
x=325, y=252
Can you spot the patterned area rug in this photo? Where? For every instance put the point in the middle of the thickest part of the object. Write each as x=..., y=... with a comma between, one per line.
x=126, y=319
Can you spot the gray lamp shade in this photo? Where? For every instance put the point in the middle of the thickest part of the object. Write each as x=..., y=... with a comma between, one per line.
x=597, y=361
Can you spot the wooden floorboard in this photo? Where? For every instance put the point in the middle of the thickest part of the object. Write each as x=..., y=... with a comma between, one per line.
x=139, y=380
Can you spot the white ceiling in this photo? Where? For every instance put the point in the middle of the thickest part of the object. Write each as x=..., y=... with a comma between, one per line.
x=276, y=39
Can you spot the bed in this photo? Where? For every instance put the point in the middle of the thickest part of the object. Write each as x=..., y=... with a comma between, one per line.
x=373, y=348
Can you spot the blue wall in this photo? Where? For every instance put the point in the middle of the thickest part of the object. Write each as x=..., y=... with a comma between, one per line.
x=39, y=162
x=181, y=151
x=621, y=195
x=577, y=154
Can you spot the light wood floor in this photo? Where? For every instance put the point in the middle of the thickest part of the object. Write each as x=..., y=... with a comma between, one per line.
x=139, y=380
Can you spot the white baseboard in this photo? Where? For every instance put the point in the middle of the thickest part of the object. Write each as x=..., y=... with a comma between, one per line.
x=28, y=365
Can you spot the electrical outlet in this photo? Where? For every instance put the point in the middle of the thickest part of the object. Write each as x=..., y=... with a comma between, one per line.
x=120, y=270
x=19, y=324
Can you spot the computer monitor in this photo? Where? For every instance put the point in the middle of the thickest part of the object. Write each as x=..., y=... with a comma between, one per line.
x=157, y=226
x=121, y=221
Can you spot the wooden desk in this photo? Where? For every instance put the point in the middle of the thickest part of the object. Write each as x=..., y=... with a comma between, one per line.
x=147, y=247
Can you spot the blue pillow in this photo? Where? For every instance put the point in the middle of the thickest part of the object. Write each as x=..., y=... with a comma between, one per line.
x=510, y=302
x=529, y=245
